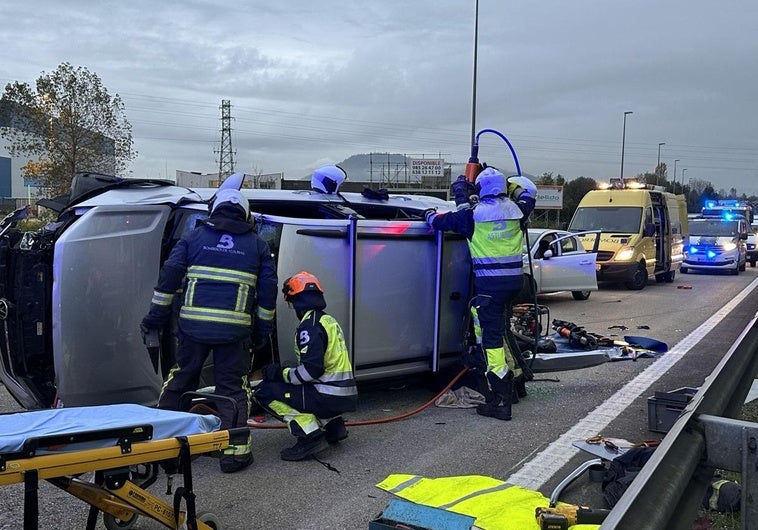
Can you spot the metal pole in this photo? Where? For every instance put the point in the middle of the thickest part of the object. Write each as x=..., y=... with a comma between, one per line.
x=681, y=185
x=473, y=90
x=673, y=185
x=658, y=165
x=623, y=141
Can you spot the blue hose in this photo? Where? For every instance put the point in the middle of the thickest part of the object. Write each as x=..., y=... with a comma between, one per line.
x=475, y=146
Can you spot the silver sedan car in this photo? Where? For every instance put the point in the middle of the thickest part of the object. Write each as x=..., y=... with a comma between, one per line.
x=559, y=263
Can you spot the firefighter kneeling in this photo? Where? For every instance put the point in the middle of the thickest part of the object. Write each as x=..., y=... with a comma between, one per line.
x=312, y=396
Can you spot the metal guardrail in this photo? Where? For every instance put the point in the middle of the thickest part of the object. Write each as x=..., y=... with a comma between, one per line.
x=667, y=492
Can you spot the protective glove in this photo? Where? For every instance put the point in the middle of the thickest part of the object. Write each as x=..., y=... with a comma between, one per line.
x=151, y=338
x=462, y=189
x=526, y=204
x=429, y=213
x=523, y=223
x=272, y=372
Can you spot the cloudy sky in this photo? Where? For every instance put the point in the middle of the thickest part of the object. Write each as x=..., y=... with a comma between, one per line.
x=313, y=82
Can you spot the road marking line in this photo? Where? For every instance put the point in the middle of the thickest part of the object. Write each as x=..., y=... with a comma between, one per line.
x=547, y=463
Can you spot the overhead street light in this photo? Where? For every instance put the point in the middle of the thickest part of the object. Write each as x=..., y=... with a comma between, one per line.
x=658, y=165
x=681, y=185
x=623, y=140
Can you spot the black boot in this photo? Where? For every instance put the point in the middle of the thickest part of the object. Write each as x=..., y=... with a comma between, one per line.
x=305, y=447
x=335, y=430
x=500, y=405
x=234, y=463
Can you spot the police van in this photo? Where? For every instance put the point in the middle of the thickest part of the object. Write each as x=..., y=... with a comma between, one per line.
x=642, y=232
x=717, y=242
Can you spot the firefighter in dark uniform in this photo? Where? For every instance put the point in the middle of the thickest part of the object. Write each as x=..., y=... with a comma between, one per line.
x=312, y=396
x=230, y=284
x=493, y=227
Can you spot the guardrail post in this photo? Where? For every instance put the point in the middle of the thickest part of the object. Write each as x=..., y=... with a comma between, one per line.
x=733, y=445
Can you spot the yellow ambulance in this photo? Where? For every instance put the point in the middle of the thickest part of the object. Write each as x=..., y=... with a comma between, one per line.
x=642, y=232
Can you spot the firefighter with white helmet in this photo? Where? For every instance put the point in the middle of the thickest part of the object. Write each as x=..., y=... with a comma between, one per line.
x=312, y=396
x=230, y=283
x=493, y=227
x=327, y=179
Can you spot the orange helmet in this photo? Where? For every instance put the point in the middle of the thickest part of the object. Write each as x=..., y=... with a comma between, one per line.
x=300, y=282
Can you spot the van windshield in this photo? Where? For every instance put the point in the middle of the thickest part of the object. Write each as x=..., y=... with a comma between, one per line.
x=624, y=219
x=713, y=227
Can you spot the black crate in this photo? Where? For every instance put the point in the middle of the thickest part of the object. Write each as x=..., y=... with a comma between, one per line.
x=665, y=407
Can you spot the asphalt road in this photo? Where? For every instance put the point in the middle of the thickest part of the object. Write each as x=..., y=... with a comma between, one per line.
x=440, y=442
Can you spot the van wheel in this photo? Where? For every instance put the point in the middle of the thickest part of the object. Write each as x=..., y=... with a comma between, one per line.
x=639, y=280
x=580, y=295
x=660, y=278
x=669, y=276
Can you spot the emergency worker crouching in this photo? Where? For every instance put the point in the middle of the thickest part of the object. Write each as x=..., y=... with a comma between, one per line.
x=312, y=396
x=493, y=228
x=224, y=268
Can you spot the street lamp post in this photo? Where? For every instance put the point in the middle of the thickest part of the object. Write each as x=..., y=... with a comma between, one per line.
x=682, y=183
x=623, y=140
x=473, y=90
x=658, y=165
x=673, y=182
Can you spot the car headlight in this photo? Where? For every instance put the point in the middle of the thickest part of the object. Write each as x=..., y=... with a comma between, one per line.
x=625, y=254
x=729, y=246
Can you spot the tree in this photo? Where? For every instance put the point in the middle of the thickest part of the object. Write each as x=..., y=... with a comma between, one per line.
x=69, y=123
x=573, y=191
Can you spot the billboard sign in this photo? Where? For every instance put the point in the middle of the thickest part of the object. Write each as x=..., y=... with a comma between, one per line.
x=425, y=167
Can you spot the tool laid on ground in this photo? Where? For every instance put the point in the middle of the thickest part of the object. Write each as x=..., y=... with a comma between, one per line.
x=577, y=336
x=566, y=515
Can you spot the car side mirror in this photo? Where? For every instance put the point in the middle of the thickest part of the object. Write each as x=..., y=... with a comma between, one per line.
x=649, y=230
x=547, y=254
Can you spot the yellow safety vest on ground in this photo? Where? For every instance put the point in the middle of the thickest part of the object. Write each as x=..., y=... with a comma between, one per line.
x=495, y=504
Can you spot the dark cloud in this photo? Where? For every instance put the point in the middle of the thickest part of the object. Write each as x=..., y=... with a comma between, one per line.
x=313, y=82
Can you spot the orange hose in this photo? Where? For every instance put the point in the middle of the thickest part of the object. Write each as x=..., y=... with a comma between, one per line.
x=381, y=420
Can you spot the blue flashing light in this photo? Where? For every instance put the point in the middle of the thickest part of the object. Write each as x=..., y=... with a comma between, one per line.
x=729, y=216
x=693, y=250
x=710, y=204
x=711, y=254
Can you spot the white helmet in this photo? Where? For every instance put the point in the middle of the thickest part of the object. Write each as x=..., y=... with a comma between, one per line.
x=327, y=179
x=231, y=196
x=229, y=191
x=522, y=183
x=491, y=183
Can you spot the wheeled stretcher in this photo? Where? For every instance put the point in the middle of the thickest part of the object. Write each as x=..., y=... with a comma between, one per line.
x=123, y=445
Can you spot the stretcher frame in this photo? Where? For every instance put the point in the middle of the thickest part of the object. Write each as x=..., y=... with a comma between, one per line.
x=113, y=491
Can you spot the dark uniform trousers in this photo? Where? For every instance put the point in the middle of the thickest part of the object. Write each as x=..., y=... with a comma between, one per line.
x=230, y=367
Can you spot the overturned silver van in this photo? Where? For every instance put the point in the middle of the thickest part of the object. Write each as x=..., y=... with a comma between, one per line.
x=73, y=293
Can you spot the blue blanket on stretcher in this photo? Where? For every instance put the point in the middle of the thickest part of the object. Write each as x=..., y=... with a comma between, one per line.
x=17, y=428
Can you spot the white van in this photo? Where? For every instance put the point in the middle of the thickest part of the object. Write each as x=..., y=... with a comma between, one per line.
x=716, y=244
